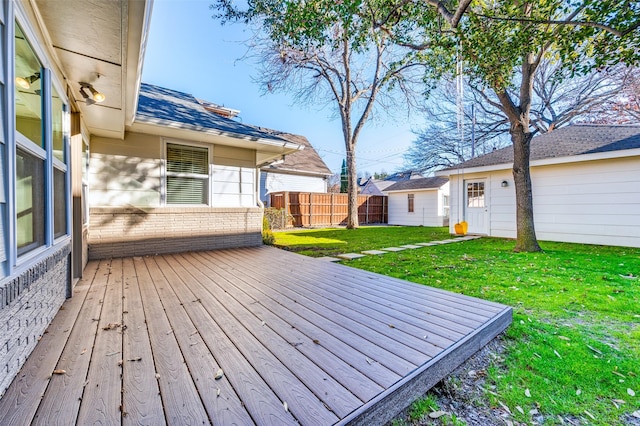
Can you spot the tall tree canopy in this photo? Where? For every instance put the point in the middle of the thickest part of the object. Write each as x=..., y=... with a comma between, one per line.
x=353, y=49
x=336, y=53
x=502, y=44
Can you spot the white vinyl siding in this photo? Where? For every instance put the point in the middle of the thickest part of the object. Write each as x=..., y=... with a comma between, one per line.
x=187, y=174
x=278, y=182
x=427, y=207
x=233, y=186
x=593, y=202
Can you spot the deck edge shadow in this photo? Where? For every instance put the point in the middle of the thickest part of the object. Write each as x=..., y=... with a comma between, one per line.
x=384, y=407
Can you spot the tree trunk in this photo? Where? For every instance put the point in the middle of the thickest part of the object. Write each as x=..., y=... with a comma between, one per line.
x=526, y=234
x=352, y=217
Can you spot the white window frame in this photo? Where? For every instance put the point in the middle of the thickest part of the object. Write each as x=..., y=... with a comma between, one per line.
x=165, y=173
x=17, y=15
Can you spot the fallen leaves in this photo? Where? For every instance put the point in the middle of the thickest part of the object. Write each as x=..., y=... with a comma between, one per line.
x=527, y=393
x=631, y=392
x=285, y=405
x=59, y=371
x=437, y=414
x=589, y=414
x=219, y=374
x=112, y=326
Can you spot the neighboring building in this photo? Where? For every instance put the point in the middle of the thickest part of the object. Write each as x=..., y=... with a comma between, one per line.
x=378, y=186
x=91, y=165
x=419, y=202
x=301, y=171
x=585, y=183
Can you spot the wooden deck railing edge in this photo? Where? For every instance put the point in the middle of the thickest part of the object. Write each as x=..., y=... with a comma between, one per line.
x=383, y=408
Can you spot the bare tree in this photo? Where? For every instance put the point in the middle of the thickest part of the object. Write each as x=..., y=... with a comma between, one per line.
x=332, y=54
x=602, y=96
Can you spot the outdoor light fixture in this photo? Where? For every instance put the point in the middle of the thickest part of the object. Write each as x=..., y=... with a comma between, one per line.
x=26, y=82
x=504, y=184
x=95, y=95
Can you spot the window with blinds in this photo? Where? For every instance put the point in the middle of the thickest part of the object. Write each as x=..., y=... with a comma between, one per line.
x=187, y=174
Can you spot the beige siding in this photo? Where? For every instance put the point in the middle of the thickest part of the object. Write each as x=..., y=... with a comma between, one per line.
x=428, y=209
x=129, y=173
x=126, y=172
x=594, y=202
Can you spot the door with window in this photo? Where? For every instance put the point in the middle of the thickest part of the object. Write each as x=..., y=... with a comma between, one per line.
x=476, y=209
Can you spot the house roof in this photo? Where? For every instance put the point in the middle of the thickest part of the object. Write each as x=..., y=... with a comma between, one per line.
x=579, y=139
x=307, y=161
x=161, y=106
x=415, y=184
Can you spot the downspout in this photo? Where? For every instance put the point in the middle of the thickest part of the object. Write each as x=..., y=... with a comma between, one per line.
x=257, y=191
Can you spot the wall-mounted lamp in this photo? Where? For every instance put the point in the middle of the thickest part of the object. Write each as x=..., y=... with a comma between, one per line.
x=95, y=95
x=26, y=82
x=504, y=184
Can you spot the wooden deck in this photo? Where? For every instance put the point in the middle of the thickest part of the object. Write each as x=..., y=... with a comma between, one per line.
x=298, y=340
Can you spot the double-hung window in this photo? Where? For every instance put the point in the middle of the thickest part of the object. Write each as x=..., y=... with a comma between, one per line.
x=410, y=202
x=187, y=174
x=41, y=171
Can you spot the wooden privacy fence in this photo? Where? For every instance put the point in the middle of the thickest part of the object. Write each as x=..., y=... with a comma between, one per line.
x=328, y=209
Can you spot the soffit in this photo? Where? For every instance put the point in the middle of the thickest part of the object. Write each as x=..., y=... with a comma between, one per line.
x=91, y=39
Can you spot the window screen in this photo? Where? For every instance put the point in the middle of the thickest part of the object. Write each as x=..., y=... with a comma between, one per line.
x=187, y=174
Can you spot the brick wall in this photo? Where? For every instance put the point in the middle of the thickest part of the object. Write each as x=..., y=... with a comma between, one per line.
x=129, y=231
x=28, y=303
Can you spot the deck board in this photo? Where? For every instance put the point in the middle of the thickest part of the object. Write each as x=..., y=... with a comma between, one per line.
x=63, y=397
x=336, y=344
x=180, y=397
x=24, y=396
x=141, y=403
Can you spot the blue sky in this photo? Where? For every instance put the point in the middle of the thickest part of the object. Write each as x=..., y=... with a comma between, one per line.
x=189, y=51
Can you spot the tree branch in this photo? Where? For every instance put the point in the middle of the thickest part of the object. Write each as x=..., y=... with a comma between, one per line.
x=607, y=28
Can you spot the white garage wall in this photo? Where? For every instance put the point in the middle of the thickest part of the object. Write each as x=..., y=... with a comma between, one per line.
x=428, y=208
x=594, y=202
x=276, y=182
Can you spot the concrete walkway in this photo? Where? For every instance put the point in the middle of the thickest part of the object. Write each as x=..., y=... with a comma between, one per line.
x=351, y=256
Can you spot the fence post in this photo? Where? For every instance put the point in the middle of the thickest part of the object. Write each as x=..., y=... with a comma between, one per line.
x=331, y=211
x=310, y=209
x=286, y=208
x=366, y=217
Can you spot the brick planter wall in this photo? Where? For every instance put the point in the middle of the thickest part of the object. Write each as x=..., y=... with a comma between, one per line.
x=127, y=231
x=28, y=303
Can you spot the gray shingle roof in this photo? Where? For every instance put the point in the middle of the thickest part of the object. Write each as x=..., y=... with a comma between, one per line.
x=158, y=105
x=307, y=160
x=423, y=183
x=568, y=141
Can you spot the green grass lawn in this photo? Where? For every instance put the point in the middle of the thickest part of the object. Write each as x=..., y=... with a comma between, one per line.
x=573, y=349
x=329, y=242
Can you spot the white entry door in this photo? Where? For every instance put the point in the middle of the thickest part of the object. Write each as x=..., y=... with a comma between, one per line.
x=476, y=209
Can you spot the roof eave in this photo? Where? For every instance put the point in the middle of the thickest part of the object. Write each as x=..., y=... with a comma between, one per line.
x=137, y=37
x=157, y=127
x=624, y=153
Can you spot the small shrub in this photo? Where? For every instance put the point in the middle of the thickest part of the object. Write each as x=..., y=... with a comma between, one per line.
x=277, y=218
x=267, y=234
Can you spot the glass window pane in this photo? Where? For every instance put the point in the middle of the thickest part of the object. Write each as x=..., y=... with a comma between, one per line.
x=28, y=90
x=29, y=201
x=184, y=190
x=187, y=174
x=187, y=159
x=59, y=204
x=57, y=114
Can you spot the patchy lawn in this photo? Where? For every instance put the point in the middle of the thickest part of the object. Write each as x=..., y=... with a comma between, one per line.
x=332, y=241
x=573, y=351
